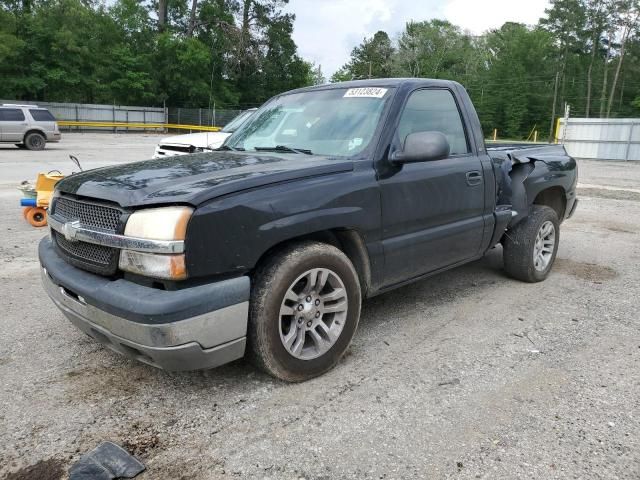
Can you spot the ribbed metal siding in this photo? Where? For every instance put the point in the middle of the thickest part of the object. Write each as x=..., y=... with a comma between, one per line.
x=602, y=139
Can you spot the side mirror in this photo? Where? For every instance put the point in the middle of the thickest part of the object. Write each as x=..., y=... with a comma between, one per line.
x=422, y=147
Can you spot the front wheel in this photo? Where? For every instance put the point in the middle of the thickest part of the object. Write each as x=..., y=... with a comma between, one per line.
x=530, y=247
x=305, y=307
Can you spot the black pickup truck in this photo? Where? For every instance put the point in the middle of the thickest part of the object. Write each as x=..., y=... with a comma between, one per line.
x=267, y=246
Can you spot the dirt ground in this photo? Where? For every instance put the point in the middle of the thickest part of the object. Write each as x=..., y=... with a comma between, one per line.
x=465, y=375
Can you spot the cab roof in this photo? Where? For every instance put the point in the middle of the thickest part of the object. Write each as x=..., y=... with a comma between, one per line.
x=379, y=82
x=14, y=105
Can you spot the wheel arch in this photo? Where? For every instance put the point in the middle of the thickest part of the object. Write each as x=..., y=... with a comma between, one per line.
x=34, y=130
x=554, y=197
x=347, y=240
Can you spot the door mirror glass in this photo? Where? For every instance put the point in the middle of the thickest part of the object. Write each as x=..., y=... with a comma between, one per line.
x=423, y=147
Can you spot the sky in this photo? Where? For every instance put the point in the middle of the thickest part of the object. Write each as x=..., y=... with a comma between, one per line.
x=327, y=30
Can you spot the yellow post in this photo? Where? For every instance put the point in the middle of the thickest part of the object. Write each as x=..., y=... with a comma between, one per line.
x=535, y=136
x=495, y=134
x=557, y=132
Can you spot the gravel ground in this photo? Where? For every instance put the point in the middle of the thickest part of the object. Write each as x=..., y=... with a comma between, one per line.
x=465, y=375
x=92, y=149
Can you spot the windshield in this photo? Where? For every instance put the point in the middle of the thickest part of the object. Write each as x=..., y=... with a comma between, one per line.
x=233, y=125
x=333, y=122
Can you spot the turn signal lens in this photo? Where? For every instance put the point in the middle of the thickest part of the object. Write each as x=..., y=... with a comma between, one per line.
x=169, y=267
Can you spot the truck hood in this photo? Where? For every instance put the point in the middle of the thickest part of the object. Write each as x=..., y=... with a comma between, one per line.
x=202, y=139
x=194, y=179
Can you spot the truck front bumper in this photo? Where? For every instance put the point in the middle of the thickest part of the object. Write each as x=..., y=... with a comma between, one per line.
x=193, y=328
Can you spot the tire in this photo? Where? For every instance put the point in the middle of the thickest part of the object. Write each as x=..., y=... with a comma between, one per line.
x=21, y=146
x=274, y=319
x=522, y=245
x=25, y=211
x=37, y=217
x=34, y=141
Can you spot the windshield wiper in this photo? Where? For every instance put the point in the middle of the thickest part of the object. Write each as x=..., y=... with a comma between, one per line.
x=228, y=147
x=284, y=148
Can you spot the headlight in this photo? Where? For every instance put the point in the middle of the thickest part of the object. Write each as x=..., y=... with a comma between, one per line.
x=165, y=223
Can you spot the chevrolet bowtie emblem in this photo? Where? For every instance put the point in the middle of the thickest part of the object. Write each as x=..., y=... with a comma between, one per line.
x=70, y=229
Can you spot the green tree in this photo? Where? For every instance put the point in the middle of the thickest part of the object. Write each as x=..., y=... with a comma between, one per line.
x=11, y=48
x=370, y=59
x=513, y=93
x=181, y=70
x=187, y=53
x=597, y=16
x=317, y=77
x=627, y=15
x=436, y=49
x=282, y=68
x=341, y=75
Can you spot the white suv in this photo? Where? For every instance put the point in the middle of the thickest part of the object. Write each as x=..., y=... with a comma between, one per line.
x=27, y=126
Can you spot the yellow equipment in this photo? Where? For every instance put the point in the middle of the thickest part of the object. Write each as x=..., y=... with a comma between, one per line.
x=37, y=197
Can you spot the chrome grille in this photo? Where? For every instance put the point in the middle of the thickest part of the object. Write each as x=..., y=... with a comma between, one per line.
x=88, y=256
x=87, y=251
x=89, y=214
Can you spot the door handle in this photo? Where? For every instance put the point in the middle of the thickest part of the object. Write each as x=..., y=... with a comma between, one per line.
x=474, y=178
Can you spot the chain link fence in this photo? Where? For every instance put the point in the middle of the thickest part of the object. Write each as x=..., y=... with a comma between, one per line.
x=201, y=116
x=84, y=112
x=140, y=116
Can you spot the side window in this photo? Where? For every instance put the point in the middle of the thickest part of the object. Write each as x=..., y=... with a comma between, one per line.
x=434, y=111
x=42, y=115
x=11, y=115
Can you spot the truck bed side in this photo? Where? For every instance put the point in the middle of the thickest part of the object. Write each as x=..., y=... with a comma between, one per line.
x=532, y=174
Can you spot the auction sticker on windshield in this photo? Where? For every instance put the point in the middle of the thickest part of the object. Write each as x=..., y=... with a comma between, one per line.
x=365, y=92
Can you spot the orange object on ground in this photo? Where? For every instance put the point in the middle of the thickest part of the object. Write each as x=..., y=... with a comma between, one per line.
x=25, y=211
x=37, y=217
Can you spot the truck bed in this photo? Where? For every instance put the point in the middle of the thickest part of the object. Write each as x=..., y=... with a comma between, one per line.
x=520, y=170
x=526, y=152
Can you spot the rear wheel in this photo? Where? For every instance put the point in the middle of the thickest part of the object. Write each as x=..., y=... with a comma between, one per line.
x=305, y=307
x=35, y=141
x=530, y=247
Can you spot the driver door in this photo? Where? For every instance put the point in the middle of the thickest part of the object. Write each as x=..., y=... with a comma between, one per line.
x=432, y=211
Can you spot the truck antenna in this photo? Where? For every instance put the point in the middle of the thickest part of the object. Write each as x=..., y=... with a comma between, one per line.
x=75, y=160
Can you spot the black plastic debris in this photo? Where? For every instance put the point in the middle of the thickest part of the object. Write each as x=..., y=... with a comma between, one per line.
x=105, y=462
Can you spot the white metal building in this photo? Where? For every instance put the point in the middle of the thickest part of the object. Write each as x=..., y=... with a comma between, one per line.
x=601, y=138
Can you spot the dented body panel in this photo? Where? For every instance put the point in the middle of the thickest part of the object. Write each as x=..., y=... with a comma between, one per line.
x=524, y=171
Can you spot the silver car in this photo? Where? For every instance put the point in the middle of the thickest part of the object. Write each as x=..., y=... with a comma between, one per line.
x=27, y=126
